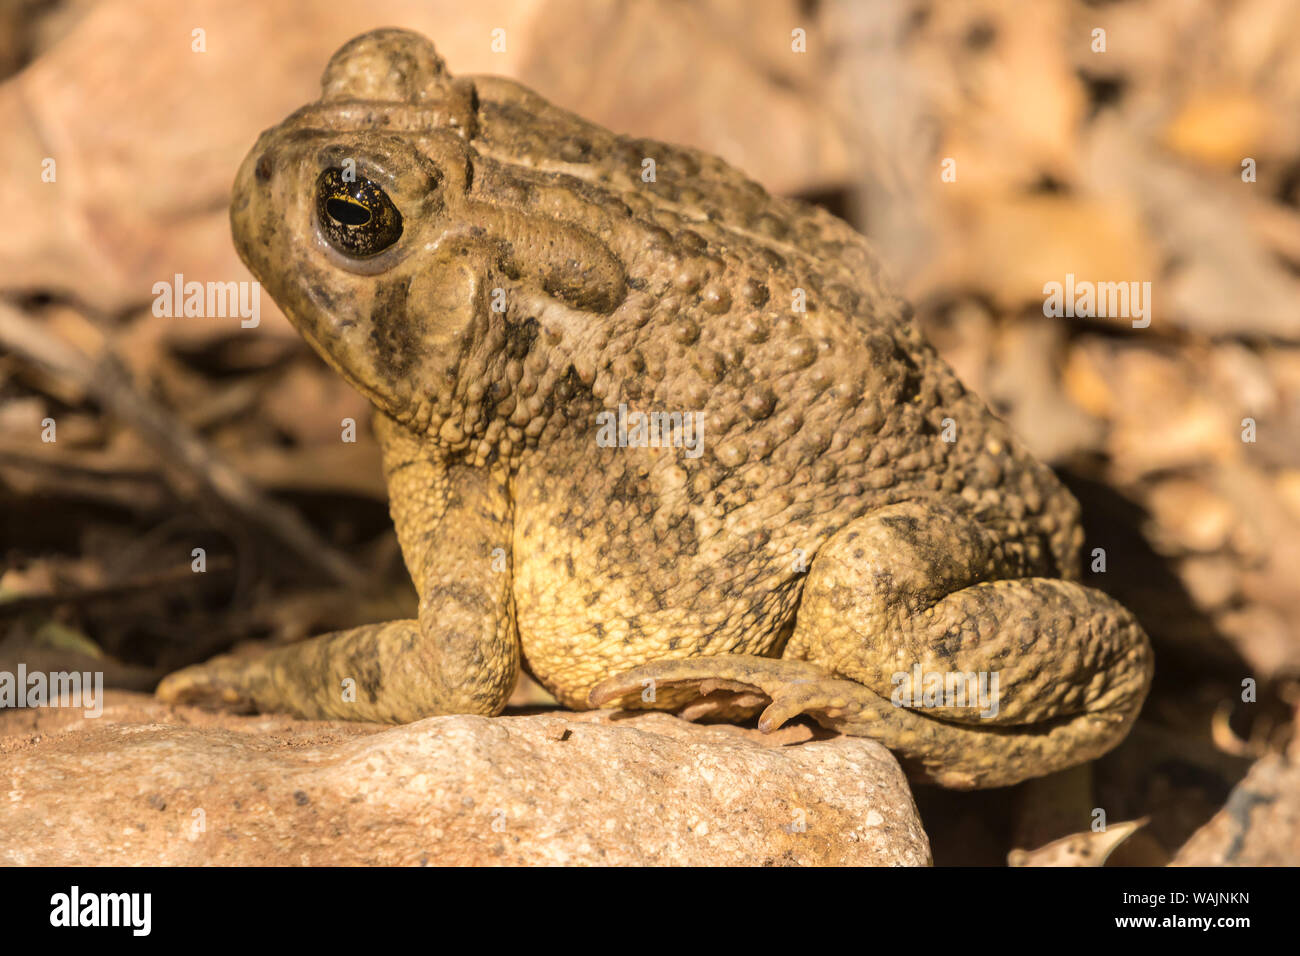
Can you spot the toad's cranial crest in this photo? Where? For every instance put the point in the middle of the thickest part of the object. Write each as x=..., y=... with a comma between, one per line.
x=493, y=273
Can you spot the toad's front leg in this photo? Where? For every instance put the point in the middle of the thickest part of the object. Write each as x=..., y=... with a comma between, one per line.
x=461, y=656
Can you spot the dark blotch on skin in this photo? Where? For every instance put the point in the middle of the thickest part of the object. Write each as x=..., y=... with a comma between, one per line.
x=520, y=337
x=366, y=670
x=392, y=332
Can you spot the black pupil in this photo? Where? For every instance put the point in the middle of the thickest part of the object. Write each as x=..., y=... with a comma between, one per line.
x=347, y=213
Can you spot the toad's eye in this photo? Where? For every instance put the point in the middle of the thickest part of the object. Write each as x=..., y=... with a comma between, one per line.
x=356, y=216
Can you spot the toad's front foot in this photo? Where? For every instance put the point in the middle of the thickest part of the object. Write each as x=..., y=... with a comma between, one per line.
x=389, y=673
x=218, y=684
x=367, y=673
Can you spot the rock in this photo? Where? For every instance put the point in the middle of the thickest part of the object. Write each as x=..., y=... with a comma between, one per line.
x=149, y=784
x=1259, y=825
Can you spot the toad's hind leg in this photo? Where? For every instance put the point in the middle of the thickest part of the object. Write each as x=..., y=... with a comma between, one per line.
x=922, y=589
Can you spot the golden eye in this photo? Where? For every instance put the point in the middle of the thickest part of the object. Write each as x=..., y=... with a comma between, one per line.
x=356, y=216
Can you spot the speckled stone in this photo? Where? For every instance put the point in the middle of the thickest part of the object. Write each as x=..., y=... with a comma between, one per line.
x=134, y=786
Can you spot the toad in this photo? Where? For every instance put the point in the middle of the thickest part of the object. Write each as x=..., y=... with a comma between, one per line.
x=660, y=438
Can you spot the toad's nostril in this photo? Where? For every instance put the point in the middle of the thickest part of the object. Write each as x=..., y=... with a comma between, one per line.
x=347, y=213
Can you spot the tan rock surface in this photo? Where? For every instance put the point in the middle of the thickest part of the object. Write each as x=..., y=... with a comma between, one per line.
x=1259, y=825
x=146, y=784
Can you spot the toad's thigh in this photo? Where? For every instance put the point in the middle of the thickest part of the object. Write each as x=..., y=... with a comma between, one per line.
x=918, y=593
